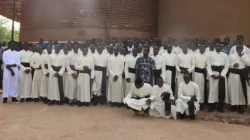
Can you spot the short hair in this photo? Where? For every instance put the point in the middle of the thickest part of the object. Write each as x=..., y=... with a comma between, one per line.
x=240, y=36
x=138, y=81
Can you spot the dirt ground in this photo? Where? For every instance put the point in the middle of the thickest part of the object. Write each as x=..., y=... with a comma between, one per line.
x=36, y=121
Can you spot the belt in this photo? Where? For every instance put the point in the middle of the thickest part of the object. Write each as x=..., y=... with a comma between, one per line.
x=222, y=83
x=100, y=68
x=138, y=98
x=26, y=64
x=56, y=68
x=46, y=66
x=88, y=71
x=132, y=70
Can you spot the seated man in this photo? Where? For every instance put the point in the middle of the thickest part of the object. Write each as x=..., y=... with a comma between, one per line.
x=137, y=98
x=188, y=98
x=162, y=100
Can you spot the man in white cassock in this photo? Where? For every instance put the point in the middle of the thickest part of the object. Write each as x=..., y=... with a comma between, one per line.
x=70, y=83
x=65, y=76
x=99, y=84
x=159, y=63
x=217, y=68
x=162, y=100
x=185, y=63
x=25, y=77
x=169, y=61
x=35, y=63
x=45, y=77
x=11, y=61
x=115, y=70
x=138, y=98
x=130, y=70
x=56, y=69
x=238, y=80
x=84, y=64
x=200, y=74
x=188, y=98
x=240, y=41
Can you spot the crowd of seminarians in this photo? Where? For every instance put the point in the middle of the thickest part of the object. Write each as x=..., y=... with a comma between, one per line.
x=160, y=78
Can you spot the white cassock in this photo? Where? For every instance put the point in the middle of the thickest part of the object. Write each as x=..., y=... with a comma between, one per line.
x=25, y=80
x=151, y=51
x=143, y=93
x=235, y=90
x=217, y=59
x=10, y=83
x=157, y=107
x=65, y=74
x=170, y=70
x=130, y=71
x=177, y=50
x=160, y=67
x=115, y=67
x=83, y=80
x=200, y=72
x=101, y=62
x=56, y=65
x=45, y=70
x=185, y=61
x=70, y=82
x=35, y=63
x=123, y=76
x=185, y=92
x=161, y=50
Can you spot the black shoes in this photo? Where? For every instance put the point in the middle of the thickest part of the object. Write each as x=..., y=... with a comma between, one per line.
x=5, y=100
x=14, y=100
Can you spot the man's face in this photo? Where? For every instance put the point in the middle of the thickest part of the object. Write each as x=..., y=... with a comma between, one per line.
x=65, y=50
x=134, y=51
x=139, y=48
x=156, y=50
x=184, y=48
x=57, y=49
x=160, y=82
x=85, y=51
x=138, y=85
x=75, y=48
x=218, y=47
x=116, y=50
x=145, y=51
x=99, y=49
x=240, y=40
x=202, y=48
x=226, y=40
x=92, y=48
x=186, y=78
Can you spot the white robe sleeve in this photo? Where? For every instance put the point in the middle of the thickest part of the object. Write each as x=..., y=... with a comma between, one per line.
x=121, y=67
x=209, y=69
x=92, y=69
x=77, y=65
x=245, y=59
x=226, y=66
x=111, y=73
x=181, y=95
x=63, y=67
x=70, y=71
x=193, y=64
x=51, y=71
x=32, y=63
x=163, y=70
x=197, y=92
x=177, y=64
x=43, y=68
x=126, y=70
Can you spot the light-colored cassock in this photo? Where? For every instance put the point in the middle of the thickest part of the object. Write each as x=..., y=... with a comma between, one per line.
x=145, y=90
x=209, y=52
x=185, y=61
x=235, y=91
x=115, y=67
x=130, y=64
x=44, y=79
x=185, y=92
x=157, y=107
x=65, y=74
x=35, y=63
x=25, y=80
x=83, y=79
x=10, y=83
x=102, y=61
x=198, y=78
x=160, y=65
x=169, y=61
x=57, y=60
x=217, y=59
x=70, y=83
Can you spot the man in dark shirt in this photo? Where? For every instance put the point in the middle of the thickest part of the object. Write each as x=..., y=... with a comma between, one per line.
x=144, y=66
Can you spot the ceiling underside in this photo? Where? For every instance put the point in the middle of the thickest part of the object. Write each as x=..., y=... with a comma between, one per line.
x=6, y=8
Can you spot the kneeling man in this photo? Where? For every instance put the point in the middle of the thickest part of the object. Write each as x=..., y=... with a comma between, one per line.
x=138, y=97
x=162, y=101
x=188, y=98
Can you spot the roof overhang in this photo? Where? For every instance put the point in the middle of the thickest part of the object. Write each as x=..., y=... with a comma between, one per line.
x=6, y=9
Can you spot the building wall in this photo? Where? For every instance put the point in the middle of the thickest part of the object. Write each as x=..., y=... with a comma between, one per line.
x=207, y=18
x=78, y=20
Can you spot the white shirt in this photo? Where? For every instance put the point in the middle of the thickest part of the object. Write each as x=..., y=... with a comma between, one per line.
x=25, y=58
x=185, y=61
x=169, y=58
x=157, y=91
x=115, y=65
x=243, y=61
x=36, y=60
x=186, y=91
x=245, y=50
x=177, y=50
x=145, y=90
x=82, y=61
x=101, y=59
x=201, y=60
x=57, y=60
x=218, y=59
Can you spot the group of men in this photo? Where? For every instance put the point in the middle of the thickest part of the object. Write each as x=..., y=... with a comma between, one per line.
x=154, y=76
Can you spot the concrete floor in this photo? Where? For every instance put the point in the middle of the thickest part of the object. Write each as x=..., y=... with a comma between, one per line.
x=36, y=121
